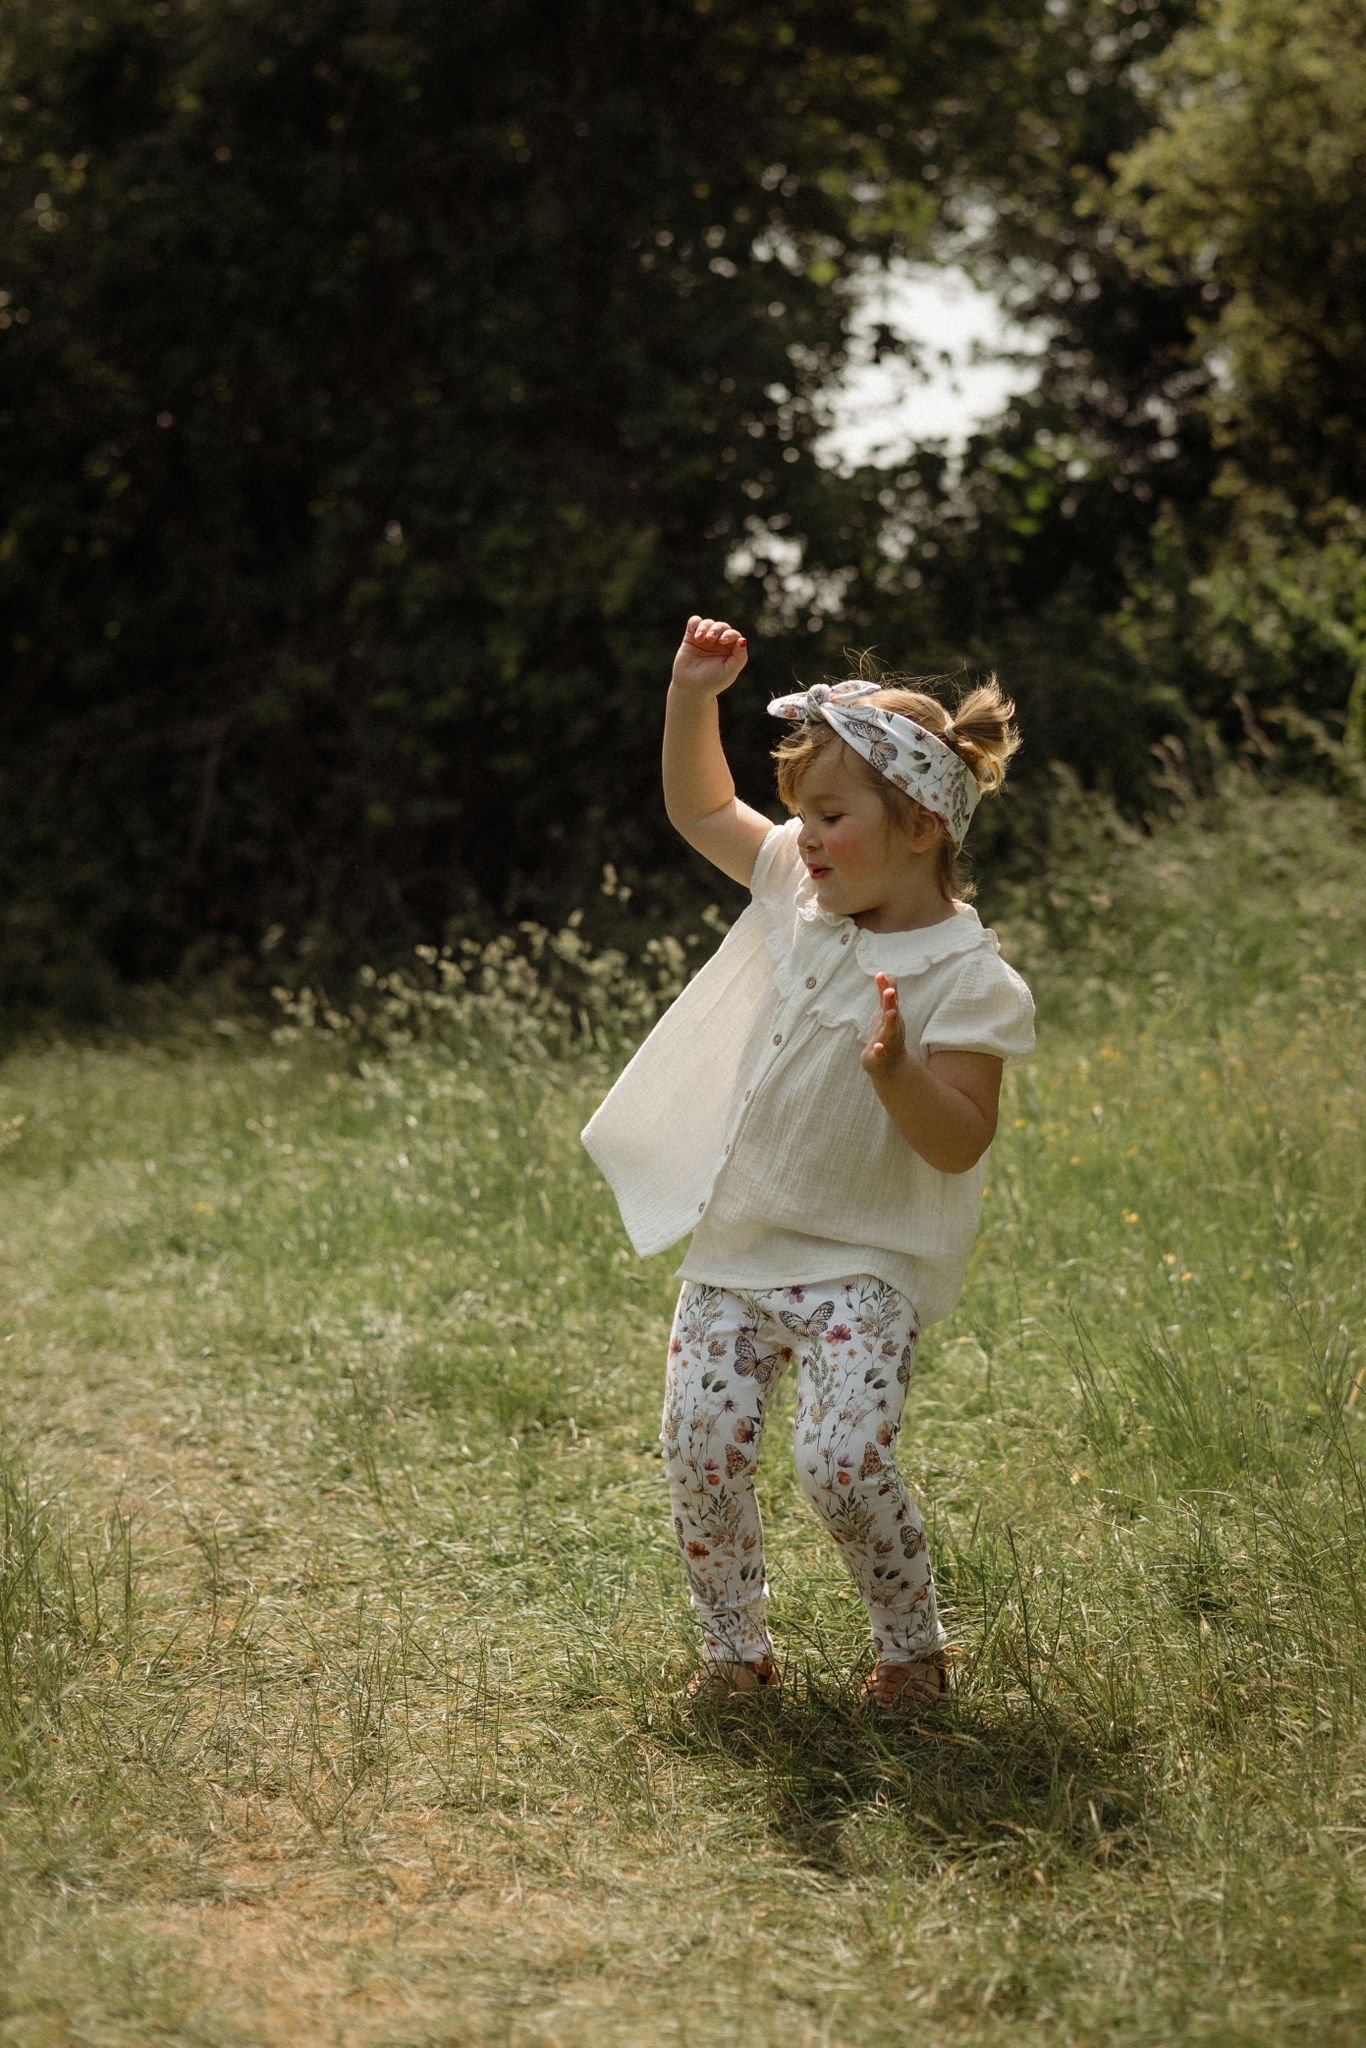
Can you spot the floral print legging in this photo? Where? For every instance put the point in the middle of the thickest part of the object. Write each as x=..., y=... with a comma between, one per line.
x=854, y=1342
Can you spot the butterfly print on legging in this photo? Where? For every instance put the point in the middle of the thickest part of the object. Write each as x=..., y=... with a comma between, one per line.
x=855, y=1355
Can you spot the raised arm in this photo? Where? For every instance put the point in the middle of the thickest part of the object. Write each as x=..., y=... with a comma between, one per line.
x=699, y=794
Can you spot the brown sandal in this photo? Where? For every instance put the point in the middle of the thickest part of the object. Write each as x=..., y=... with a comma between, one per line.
x=921, y=1683
x=715, y=1683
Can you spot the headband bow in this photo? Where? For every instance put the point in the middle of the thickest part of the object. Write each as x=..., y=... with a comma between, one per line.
x=917, y=761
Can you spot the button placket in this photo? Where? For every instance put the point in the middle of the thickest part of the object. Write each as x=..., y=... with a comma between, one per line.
x=825, y=962
x=788, y=1016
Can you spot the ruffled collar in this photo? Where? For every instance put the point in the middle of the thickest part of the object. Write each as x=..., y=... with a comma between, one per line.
x=905, y=952
x=902, y=952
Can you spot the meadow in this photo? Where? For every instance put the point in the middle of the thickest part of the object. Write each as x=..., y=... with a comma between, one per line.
x=342, y=1635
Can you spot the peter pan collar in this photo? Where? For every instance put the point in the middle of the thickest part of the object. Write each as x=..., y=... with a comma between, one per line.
x=901, y=952
x=907, y=952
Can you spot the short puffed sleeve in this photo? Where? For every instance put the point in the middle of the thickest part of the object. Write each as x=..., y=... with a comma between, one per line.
x=777, y=866
x=986, y=1008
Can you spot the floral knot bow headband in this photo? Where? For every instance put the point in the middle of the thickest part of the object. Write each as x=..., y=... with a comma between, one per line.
x=917, y=761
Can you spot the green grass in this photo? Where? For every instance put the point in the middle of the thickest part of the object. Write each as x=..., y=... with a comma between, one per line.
x=341, y=1630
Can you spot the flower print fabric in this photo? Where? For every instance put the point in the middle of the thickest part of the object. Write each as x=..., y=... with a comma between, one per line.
x=853, y=1345
x=919, y=762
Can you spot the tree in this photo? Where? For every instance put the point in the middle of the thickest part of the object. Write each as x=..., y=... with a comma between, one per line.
x=1021, y=554
x=1253, y=181
x=384, y=383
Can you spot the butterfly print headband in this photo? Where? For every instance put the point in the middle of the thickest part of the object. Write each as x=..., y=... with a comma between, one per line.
x=917, y=761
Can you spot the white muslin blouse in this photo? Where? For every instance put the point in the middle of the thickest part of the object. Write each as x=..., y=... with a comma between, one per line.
x=746, y=1118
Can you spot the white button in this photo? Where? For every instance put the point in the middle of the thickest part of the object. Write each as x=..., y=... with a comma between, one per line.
x=748, y=1093
x=844, y=938
x=728, y=1151
x=811, y=981
x=777, y=1038
x=700, y=1207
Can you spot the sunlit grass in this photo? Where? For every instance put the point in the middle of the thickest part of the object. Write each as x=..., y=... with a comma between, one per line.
x=342, y=1633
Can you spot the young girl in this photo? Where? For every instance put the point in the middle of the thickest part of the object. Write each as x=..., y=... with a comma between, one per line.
x=816, y=1108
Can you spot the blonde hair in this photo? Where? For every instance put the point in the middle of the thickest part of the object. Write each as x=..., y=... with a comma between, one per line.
x=980, y=729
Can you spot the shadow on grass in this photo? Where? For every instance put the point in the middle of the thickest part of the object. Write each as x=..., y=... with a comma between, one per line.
x=973, y=1774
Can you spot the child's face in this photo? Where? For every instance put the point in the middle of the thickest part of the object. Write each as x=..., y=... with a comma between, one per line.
x=855, y=859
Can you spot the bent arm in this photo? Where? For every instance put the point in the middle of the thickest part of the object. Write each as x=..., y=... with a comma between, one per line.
x=945, y=1108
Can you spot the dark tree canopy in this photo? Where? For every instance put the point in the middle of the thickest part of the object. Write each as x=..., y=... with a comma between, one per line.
x=384, y=383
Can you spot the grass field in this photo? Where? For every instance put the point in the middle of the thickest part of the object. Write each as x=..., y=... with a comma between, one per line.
x=341, y=1630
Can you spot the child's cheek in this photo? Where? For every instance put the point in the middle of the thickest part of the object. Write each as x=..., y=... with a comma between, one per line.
x=849, y=849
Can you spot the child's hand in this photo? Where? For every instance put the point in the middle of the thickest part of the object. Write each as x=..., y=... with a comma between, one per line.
x=710, y=658
x=886, y=1045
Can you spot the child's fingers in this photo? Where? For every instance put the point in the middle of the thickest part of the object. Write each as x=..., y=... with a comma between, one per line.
x=887, y=1035
x=713, y=636
x=711, y=656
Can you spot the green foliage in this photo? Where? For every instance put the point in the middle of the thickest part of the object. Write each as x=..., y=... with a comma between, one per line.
x=1018, y=556
x=1183, y=491
x=381, y=396
x=1070, y=478
x=1255, y=596
x=523, y=997
x=1264, y=612
x=382, y=389
x=1247, y=183
x=1355, y=737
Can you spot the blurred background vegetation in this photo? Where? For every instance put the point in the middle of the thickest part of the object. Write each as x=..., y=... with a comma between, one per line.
x=383, y=382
